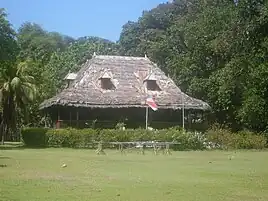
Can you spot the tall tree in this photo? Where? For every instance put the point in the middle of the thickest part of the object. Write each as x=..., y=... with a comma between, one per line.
x=73, y=57
x=214, y=50
x=39, y=45
x=17, y=90
x=8, y=44
x=8, y=50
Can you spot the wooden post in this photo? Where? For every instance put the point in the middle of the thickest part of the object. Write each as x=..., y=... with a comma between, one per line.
x=2, y=132
x=146, y=119
x=183, y=113
x=70, y=118
x=189, y=119
x=77, y=118
x=58, y=120
x=46, y=120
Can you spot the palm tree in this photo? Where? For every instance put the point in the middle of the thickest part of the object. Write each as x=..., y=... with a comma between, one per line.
x=17, y=89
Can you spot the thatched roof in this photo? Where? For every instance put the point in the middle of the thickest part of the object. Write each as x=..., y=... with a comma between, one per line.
x=128, y=75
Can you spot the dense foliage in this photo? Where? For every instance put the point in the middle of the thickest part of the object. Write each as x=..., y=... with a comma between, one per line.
x=70, y=60
x=8, y=45
x=35, y=137
x=226, y=139
x=215, y=50
x=89, y=138
x=17, y=86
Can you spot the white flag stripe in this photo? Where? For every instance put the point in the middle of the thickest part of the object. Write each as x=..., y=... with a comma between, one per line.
x=151, y=103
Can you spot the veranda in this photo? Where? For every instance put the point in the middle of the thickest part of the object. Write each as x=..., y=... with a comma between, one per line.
x=82, y=117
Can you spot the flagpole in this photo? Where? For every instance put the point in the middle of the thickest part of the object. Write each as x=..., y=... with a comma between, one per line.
x=146, y=120
x=183, y=116
x=183, y=113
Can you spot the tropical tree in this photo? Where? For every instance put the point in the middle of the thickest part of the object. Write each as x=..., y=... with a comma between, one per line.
x=71, y=60
x=215, y=50
x=17, y=89
x=8, y=45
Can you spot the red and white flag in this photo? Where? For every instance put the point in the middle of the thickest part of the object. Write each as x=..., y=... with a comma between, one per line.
x=150, y=101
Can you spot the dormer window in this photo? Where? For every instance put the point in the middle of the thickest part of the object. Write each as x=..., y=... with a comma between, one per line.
x=106, y=82
x=70, y=77
x=151, y=83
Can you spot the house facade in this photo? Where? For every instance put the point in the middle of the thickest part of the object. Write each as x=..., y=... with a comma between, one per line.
x=112, y=89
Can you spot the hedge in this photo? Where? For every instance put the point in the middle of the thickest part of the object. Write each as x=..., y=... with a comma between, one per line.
x=87, y=138
x=34, y=137
x=226, y=139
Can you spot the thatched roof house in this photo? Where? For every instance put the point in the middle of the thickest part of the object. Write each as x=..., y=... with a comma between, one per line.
x=114, y=87
x=121, y=82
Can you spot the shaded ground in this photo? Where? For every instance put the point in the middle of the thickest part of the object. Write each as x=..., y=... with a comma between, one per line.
x=36, y=174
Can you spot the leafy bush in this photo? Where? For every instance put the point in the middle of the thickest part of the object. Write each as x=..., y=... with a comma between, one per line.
x=73, y=138
x=87, y=138
x=250, y=140
x=185, y=140
x=241, y=140
x=34, y=137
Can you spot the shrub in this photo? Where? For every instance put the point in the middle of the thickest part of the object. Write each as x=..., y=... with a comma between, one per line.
x=189, y=141
x=87, y=138
x=73, y=138
x=141, y=135
x=34, y=137
x=219, y=137
x=250, y=140
x=241, y=140
x=185, y=140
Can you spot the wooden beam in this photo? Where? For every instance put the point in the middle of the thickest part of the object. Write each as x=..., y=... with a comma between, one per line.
x=189, y=119
x=58, y=120
x=77, y=117
x=70, y=118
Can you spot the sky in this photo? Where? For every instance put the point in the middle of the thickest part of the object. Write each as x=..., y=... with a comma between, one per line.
x=78, y=18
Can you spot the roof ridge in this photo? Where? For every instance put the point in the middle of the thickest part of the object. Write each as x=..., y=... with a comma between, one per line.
x=118, y=56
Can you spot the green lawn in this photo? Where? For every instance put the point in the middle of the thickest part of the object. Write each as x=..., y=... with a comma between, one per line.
x=36, y=174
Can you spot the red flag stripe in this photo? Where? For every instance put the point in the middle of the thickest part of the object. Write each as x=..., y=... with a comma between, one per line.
x=151, y=103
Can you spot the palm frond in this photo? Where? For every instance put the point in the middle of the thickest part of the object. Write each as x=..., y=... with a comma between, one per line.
x=29, y=91
x=17, y=89
x=15, y=83
x=5, y=88
x=28, y=78
x=22, y=66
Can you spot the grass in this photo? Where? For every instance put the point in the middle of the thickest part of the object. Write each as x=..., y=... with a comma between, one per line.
x=37, y=175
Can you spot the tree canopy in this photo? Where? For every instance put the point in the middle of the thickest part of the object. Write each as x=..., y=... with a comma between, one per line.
x=215, y=50
x=8, y=44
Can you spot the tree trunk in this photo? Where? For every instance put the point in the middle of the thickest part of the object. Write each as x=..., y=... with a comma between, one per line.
x=2, y=132
x=3, y=139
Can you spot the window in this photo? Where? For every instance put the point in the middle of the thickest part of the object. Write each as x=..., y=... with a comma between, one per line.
x=106, y=81
x=70, y=77
x=107, y=84
x=152, y=85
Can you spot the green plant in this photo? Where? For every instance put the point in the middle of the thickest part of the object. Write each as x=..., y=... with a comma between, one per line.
x=120, y=125
x=88, y=138
x=73, y=138
x=34, y=137
x=240, y=140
